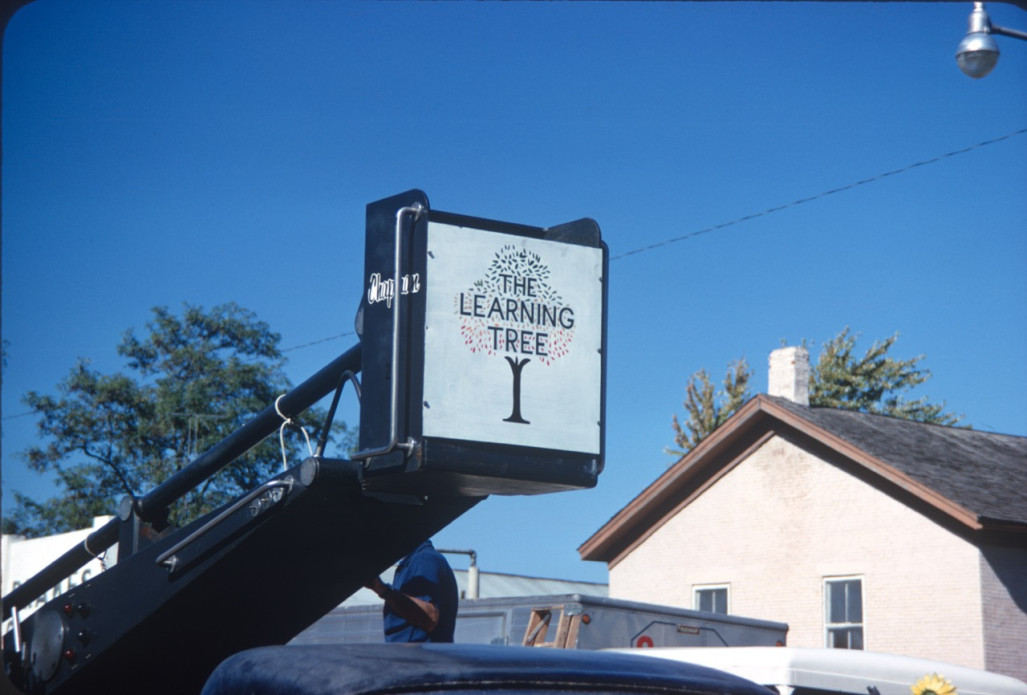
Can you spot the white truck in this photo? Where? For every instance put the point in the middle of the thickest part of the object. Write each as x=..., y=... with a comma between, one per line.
x=808, y=671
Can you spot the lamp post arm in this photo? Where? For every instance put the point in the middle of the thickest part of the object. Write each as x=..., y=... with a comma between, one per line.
x=1014, y=33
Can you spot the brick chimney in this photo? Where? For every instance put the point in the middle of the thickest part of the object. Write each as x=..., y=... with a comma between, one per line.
x=789, y=374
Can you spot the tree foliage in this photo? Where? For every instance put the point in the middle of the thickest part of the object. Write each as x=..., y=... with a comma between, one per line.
x=193, y=379
x=707, y=408
x=871, y=383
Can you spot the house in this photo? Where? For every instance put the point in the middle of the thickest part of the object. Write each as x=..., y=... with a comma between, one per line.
x=858, y=530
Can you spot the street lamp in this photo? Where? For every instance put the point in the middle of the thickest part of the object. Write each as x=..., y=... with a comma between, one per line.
x=978, y=52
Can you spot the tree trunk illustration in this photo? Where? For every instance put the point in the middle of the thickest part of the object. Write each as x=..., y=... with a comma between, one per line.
x=516, y=366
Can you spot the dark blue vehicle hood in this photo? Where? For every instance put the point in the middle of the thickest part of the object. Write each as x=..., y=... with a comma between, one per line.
x=366, y=669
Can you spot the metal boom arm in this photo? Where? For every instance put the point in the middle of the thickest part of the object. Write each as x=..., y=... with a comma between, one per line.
x=202, y=467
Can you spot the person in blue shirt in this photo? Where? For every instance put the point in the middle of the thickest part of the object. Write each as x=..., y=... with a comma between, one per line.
x=420, y=605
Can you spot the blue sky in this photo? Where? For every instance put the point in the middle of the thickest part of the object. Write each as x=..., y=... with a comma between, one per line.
x=157, y=153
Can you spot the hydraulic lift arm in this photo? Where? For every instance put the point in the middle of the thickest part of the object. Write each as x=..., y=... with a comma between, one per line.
x=255, y=572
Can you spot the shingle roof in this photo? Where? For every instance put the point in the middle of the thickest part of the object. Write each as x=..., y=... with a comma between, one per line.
x=978, y=479
x=982, y=471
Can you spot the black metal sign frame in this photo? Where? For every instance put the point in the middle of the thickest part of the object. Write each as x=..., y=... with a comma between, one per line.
x=400, y=445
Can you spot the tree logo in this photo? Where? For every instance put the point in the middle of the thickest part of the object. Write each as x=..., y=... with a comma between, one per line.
x=515, y=313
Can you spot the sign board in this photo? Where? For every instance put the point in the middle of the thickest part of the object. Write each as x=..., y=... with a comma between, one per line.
x=497, y=334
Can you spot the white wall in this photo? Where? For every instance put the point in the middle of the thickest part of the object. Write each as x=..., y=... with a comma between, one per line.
x=780, y=522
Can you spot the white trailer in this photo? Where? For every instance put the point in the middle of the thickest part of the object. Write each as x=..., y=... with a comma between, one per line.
x=571, y=621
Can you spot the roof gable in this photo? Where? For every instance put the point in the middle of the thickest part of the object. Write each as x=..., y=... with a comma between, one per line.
x=981, y=471
x=976, y=479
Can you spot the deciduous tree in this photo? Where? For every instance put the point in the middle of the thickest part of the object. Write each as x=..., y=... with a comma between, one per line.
x=191, y=380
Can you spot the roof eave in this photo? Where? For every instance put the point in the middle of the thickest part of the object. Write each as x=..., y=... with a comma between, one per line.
x=663, y=498
x=611, y=541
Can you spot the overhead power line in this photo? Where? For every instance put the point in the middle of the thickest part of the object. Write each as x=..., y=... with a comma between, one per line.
x=768, y=211
x=318, y=342
x=723, y=225
x=11, y=417
x=818, y=196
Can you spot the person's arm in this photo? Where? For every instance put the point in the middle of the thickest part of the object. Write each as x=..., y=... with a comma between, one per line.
x=418, y=612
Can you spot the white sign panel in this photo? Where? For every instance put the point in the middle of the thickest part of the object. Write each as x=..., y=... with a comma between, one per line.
x=513, y=337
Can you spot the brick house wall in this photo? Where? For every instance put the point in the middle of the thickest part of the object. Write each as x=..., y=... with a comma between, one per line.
x=1004, y=610
x=781, y=521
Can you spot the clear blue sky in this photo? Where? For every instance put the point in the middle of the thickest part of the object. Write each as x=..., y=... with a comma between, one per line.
x=161, y=152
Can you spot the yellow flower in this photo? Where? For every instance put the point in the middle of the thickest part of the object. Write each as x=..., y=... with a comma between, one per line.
x=933, y=684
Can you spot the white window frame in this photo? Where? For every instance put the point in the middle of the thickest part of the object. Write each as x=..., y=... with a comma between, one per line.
x=698, y=588
x=861, y=625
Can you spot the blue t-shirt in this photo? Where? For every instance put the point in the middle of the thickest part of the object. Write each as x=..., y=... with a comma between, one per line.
x=426, y=575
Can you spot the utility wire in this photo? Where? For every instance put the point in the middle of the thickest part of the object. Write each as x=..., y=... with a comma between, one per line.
x=11, y=417
x=318, y=342
x=811, y=198
x=768, y=211
x=723, y=225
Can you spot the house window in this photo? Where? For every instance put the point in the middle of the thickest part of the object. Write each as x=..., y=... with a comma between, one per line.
x=712, y=599
x=843, y=612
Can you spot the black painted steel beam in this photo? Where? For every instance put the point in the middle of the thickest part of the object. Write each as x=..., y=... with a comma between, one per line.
x=202, y=467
